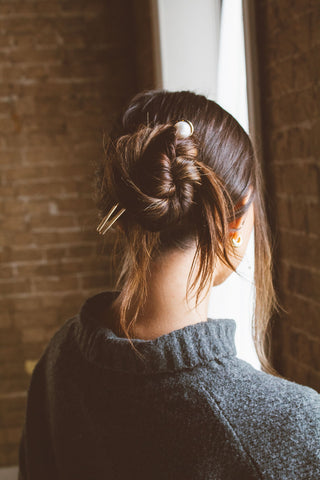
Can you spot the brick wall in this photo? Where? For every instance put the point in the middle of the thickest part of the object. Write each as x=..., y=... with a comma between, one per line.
x=289, y=53
x=66, y=68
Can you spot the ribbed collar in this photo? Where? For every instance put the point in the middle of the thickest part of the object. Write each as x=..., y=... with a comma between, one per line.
x=186, y=347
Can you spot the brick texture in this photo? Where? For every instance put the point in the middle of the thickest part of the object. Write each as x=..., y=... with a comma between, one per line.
x=289, y=53
x=66, y=69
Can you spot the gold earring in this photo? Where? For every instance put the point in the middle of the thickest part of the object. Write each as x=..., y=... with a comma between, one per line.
x=236, y=242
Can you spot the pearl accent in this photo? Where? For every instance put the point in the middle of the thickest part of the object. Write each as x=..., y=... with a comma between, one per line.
x=184, y=129
x=237, y=241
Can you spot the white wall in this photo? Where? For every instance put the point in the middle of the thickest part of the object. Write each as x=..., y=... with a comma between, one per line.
x=189, y=38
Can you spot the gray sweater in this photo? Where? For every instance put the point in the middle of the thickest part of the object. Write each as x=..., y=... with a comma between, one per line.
x=191, y=410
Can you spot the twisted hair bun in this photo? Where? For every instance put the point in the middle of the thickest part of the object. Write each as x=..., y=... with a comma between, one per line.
x=154, y=175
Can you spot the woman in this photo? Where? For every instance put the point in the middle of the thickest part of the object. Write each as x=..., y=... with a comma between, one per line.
x=141, y=384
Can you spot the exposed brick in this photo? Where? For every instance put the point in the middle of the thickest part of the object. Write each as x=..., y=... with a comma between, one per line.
x=66, y=69
x=298, y=248
x=6, y=271
x=301, y=313
x=297, y=178
x=313, y=212
x=21, y=254
x=36, y=334
x=56, y=253
x=15, y=287
x=55, y=284
x=293, y=108
x=315, y=138
x=303, y=281
x=52, y=221
x=292, y=213
x=300, y=373
x=290, y=143
x=303, y=72
x=289, y=52
x=14, y=435
x=13, y=410
x=34, y=318
x=90, y=281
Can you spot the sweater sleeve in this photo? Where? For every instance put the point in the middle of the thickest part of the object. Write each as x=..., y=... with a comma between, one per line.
x=286, y=440
x=277, y=422
x=36, y=456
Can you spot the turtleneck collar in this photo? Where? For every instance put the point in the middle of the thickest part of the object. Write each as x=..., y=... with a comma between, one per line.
x=187, y=347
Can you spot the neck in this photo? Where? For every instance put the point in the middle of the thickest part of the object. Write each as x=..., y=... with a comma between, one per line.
x=166, y=308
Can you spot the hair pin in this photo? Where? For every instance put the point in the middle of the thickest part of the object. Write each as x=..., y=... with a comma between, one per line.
x=184, y=129
x=107, y=222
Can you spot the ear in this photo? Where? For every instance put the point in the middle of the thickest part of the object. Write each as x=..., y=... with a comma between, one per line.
x=238, y=222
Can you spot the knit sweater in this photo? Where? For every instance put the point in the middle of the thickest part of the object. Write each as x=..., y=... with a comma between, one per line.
x=188, y=410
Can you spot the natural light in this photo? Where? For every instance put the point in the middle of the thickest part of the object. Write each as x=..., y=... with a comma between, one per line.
x=202, y=49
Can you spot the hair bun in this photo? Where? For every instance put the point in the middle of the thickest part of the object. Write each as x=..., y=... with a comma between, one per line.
x=155, y=176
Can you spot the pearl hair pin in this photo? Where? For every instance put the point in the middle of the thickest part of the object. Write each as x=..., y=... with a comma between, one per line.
x=184, y=129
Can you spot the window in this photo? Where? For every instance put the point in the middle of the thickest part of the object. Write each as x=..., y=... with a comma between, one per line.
x=202, y=48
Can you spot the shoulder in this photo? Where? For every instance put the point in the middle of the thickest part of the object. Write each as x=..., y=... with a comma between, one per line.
x=291, y=409
x=61, y=343
x=267, y=393
x=276, y=421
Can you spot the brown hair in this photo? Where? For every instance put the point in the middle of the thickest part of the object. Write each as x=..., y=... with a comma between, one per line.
x=179, y=191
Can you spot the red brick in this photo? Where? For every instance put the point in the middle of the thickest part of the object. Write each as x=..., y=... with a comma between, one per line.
x=33, y=318
x=289, y=54
x=292, y=214
x=304, y=282
x=14, y=287
x=313, y=212
x=92, y=281
x=300, y=373
x=66, y=70
x=299, y=249
x=52, y=221
x=279, y=80
x=56, y=284
x=21, y=254
x=301, y=312
x=315, y=137
x=297, y=178
x=56, y=253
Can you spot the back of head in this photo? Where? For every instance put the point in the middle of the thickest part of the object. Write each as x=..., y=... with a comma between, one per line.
x=182, y=191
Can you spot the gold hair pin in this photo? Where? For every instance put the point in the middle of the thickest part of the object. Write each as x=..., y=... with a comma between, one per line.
x=107, y=222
